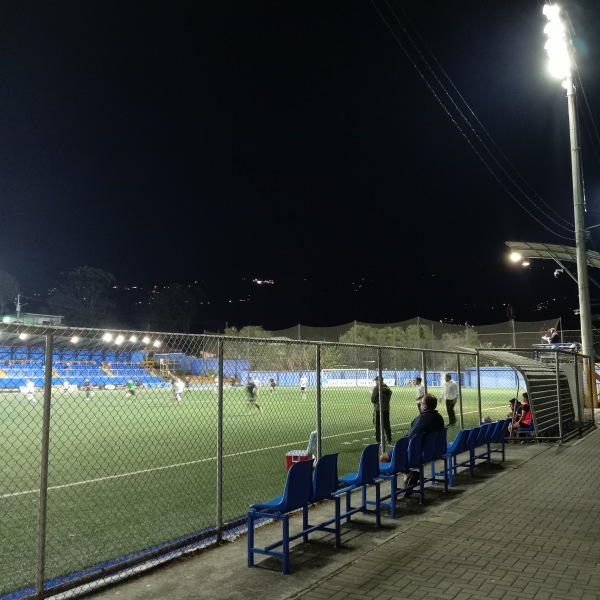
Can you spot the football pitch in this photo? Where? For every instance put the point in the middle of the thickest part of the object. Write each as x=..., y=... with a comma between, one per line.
x=126, y=473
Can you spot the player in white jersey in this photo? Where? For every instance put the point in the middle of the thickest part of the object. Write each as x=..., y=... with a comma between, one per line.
x=303, y=386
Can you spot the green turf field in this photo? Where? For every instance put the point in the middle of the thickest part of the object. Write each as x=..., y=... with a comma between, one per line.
x=127, y=473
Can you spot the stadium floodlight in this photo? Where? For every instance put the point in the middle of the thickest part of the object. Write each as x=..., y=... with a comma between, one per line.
x=156, y=343
x=560, y=52
x=516, y=257
x=133, y=338
x=146, y=340
x=119, y=339
x=74, y=339
x=23, y=336
x=107, y=337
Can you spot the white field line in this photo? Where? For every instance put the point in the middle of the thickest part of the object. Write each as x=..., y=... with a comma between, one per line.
x=173, y=466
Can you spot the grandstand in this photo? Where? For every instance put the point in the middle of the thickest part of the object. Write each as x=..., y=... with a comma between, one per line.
x=100, y=373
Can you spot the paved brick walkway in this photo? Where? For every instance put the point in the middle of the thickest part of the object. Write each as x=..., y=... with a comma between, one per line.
x=527, y=529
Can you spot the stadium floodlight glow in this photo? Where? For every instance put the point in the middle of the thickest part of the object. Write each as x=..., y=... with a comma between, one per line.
x=133, y=338
x=146, y=340
x=107, y=337
x=74, y=340
x=517, y=257
x=561, y=53
x=23, y=336
x=156, y=343
x=551, y=11
x=557, y=45
x=119, y=339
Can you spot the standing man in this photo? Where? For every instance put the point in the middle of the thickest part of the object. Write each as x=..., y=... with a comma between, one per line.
x=420, y=391
x=303, y=386
x=450, y=395
x=30, y=390
x=251, y=393
x=552, y=336
x=179, y=389
x=386, y=394
x=130, y=388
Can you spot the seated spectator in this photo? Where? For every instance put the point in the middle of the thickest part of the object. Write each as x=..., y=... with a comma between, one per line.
x=523, y=422
x=515, y=409
x=428, y=420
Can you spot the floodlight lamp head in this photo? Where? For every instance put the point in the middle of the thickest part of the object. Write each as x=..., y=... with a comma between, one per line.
x=516, y=256
x=551, y=11
x=558, y=272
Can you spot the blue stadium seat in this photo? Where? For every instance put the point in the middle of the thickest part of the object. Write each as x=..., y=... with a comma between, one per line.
x=296, y=496
x=367, y=475
x=391, y=471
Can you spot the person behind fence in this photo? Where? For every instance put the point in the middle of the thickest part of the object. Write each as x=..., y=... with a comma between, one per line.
x=450, y=395
x=522, y=422
x=251, y=393
x=386, y=394
x=428, y=421
x=420, y=391
x=515, y=409
x=551, y=337
x=303, y=386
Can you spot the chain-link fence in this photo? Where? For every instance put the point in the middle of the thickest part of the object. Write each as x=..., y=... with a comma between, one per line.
x=121, y=447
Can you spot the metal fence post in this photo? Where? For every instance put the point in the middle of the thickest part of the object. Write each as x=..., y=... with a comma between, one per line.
x=220, y=444
x=558, y=398
x=477, y=366
x=577, y=396
x=379, y=382
x=460, y=403
x=318, y=415
x=43, y=499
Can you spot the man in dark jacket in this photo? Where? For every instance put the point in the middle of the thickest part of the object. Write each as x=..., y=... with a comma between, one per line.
x=386, y=394
x=428, y=421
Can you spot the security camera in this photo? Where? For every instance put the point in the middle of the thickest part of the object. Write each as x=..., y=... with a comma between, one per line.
x=557, y=272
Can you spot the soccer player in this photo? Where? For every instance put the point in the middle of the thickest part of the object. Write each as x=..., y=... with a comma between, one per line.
x=130, y=388
x=87, y=386
x=179, y=389
x=65, y=385
x=420, y=392
x=30, y=390
x=252, y=392
x=303, y=386
x=272, y=383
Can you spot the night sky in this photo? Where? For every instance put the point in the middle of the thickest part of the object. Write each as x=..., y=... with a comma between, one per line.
x=319, y=144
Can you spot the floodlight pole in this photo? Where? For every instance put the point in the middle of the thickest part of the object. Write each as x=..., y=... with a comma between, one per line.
x=560, y=51
x=585, y=317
